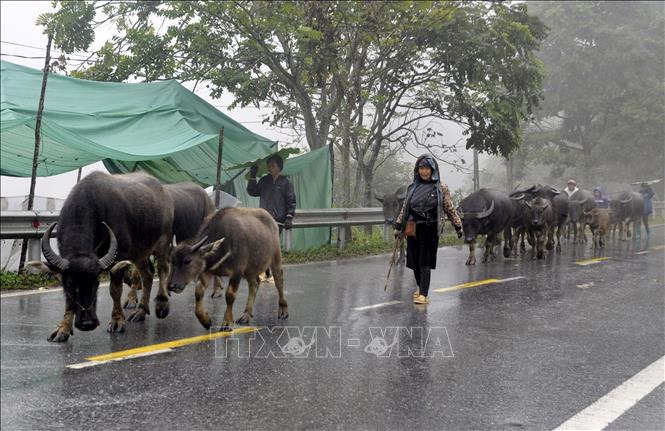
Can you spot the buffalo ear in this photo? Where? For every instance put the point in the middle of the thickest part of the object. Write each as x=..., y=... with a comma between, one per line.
x=379, y=196
x=401, y=194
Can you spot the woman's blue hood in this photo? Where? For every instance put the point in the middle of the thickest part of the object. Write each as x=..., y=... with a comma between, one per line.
x=432, y=164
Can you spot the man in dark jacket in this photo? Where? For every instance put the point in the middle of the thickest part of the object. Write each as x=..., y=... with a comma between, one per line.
x=275, y=192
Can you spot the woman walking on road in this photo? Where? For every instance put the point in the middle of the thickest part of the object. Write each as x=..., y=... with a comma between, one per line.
x=421, y=221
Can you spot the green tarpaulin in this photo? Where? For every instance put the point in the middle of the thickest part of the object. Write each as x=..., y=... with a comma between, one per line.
x=159, y=127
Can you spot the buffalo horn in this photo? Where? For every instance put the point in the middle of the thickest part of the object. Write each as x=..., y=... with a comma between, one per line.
x=626, y=201
x=198, y=245
x=51, y=256
x=518, y=197
x=486, y=212
x=107, y=260
x=460, y=213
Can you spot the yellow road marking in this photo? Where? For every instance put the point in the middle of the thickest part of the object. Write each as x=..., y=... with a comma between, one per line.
x=658, y=247
x=467, y=285
x=169, y=344
x=591, y=261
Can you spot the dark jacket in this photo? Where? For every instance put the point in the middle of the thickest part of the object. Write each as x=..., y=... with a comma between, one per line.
x=444, y=205
x=275, y=197
x=648, y=194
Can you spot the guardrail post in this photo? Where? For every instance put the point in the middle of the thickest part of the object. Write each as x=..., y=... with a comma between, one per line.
x=34, y=249
x=386, y=232
x=287, y=239
x=341, y=237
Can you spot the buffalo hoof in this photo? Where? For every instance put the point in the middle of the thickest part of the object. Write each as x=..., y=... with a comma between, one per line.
x=549, y=245
x=116, y=326
x=205, y=321
x=137, y=316
x=522, y=249
x=226, y=327
x=541, y=255
x=130, y=304
x=161, y=307
x=506, y=253
x=471, y=261
x=244, y=319
x=216, y=293
x=558, y=248
x=60, y=335
x=283, y=313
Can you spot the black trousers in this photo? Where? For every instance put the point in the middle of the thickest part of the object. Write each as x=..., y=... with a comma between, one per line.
x=421, y=254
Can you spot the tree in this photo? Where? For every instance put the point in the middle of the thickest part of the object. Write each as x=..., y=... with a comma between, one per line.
x=604, y=94
x=366, y=75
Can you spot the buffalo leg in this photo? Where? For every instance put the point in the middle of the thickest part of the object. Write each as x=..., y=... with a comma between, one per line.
x=117, y=323
x=558, y=238
x=251, y=297
x=472, y=257
x=163, y=267
x=135, y=282
x=199, y=308
x=218, y=288
x=283, y=313
x=489, y=248
x=550, y=239
x=507, y=242
x=64, y=329
x=146, y=275
x=231, y=291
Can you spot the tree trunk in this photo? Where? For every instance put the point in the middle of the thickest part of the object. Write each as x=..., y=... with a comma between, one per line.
x=509, y=174
x=38, y=132
x=476, y=171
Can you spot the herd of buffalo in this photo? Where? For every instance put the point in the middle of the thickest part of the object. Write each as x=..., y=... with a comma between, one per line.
x=540, y=215
x=115, y=223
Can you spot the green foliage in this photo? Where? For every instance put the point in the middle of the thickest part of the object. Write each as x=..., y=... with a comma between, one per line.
x=71, y=26
x=11, y=280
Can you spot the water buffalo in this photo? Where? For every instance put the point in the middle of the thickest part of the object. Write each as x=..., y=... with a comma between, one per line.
x=128, y=217
x=540, y=221
x=239, y=243
x=598, y=220
x=629, y=209
x=486, y=212
x=580, y=201
x=560, y=209
x=191, y=206
x=392, y=205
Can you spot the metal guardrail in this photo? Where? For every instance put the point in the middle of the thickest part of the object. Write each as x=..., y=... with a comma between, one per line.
x=31, y=225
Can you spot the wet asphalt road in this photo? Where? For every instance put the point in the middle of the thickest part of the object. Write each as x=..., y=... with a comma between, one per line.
x=527, y=353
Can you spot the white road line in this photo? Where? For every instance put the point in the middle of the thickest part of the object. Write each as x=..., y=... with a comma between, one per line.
x=642, y=252
x=383, y=304
x=87, y=364
x=608, y=408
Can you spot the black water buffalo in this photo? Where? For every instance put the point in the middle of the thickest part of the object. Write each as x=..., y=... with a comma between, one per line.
x=539, y=220
x=629, y=209
x=392, y=205
x=239, y=243
x=560, y=208
x=580, y=201
x=521, y=199
x=191, y=206
x=486, y=212
x=123, y=217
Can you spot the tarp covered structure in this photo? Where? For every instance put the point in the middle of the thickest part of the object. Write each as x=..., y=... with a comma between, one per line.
x=159, y=127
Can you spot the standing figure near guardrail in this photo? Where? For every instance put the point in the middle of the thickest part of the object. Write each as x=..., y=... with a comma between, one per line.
x=275, y=192
x=421, y=220
x=647, y=193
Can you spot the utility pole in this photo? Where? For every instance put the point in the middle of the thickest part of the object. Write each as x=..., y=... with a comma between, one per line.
x=38, y=133
x=218, y=182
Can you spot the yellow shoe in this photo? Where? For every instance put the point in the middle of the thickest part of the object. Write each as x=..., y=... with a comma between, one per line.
x=421, y=299
x=416, y=293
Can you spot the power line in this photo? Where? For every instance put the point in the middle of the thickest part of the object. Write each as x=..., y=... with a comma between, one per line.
x=43, y=57
x=37, y=47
